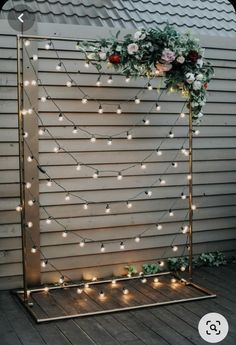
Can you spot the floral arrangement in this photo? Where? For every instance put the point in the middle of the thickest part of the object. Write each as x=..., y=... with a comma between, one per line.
x=155, y=52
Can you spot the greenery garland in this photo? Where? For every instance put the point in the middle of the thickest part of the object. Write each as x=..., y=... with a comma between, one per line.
x=155, y=52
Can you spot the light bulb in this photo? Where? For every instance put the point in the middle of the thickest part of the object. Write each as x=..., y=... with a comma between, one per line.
x=173, y=280
x=189, y=177
x=137, y=239
x=67, y=197
x=101, y=294
x=29, y=224
x=127, y=79
x=65, y=233
x=84, y=100
x=171, y=213
x=109, y=141
x=61, y=280
x=24, y=111
x=146, y=121
x=49, y=220
x=171, y=134
x=113, y=282
x=144, y=280
x=60, y=117
x=49, y=183
x=193, y=207
x=82, y=243
x=161, y=263
x=77, y=46
x=30, y=158
x=58, y=66
x=56, y=149
x=35, y=57
x=26, y=43
x=86, y=285
x=26, y=82
x=119, y=110
x=129, y=204
x=184, y=229
x=75, y=130
x=183, y=196
x=174, y=248
x=78, y=167
x=110, y=80
x=43, y=99
x=30, y=111
x=98, y=82
x=119, y=176
x=48, y=45
x=79, y=291
x=33, y=249
x=182, y=268
x=148, y=193
x=87, y=64
x=143, y=166
x=33, y=82
x=158, y=107
x=41, y=131
x=93, y=139
x=108, y=209
x=28, y=185
x=149, y=86
x=129, y=136
x=96, y=174
x=158, y=152
x=122, y=246
x=46, y=289
x=85, y=206
x=125, y=291
x=102, y=248
x=19, y=208
x=100, y=109
x=184, y=151
x=44, y=263
x=196, y=132
x=136, y=100
x=156, y=280
x=158, y=226
x=162, y=181
x=174, y=164
x=182, y=115
x=69, y=83
x=31, y=202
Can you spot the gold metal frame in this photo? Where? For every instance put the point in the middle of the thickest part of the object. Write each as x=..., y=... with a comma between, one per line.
x=23, y=295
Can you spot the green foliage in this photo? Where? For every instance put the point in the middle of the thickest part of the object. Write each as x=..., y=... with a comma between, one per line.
x=151, y=268
x=131, y=270
x=175, y=264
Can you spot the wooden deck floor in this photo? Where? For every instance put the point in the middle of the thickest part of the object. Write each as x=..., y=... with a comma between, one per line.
x=173, y=324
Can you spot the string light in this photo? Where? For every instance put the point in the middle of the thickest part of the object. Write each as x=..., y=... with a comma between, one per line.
x=28, y=185
x=119, y=110
x=158, y=226
x=109, y=141
x=174, y=164
x=146, y=121
x=30, y=111
x=58, y=66
x=84, y=100
x=33, y=82
x=96, y=174
x=182, y=268
x=19, y=208
x=65, y=233
x=85, y=206
x=137, y=239
x=31, y=202
x=119, y=176
x=171, y=134
x=144, y=280
x=100, y=109
x=125, y=291
x=158, y=107
x=196, y=131
x=158, y=152
x=41, y=131
x=174, y=248
x=102, y=248
x=129, y=204
x=182, y=115
x=110, y=80
x=173, y=280
x=149, y=86
x=30, y=159
x=49, y=220
x=24, y=112
x=136, y=100
x=93, y=139
x=67, y=197
x=75, y=130
x=189, y=177
x=122, y=246
x=27, y=43
x=162, y=181
x=98, y=82
x=113, y=282
x=143, y=166
x=78, y=167
x=26, y=82
x=171, y=213
x=87, y=64
x=183, y=196
x=29, y=224
x=156, y=280
x=108, y=209
x=101, y=294
x=184, y=151
x=60, y=117
x=69, y=83
x=82, y=243
x=79, y=291
x=127, y=79
x=33, y=249
x=56, y=149
x=161, y=263
x=185, y=229
x=48, y=45
x=129, y=136
x=49, y=182
x=193, y=207
x=43, y=99
x=35, y=57
x=148, y=193
x=61, y=280
x=44, y=263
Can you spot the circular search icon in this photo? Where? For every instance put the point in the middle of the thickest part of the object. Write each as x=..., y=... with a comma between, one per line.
x=213, y=327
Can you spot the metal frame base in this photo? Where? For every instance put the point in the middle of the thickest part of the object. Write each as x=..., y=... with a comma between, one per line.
x=29, y=305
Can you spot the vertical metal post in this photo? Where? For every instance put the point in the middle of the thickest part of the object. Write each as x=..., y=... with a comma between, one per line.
x=21, y=165
x=190, y=193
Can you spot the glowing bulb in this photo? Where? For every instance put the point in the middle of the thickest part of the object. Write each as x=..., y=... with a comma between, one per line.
x=171, y=213
x=31, y=202
x=148, y=193
x=60, y=117
x=125, y=291
x=28, y=185
x=182, y=268
x=86, y=285
x=35, y=57
x=29, y=224
x=122, y=246
x=189, y=177
x=129, y=136
x=162, y=182
x=161, y=263
x=44, y=263
x=158, y=152
x=184, y=229
x=56, y=149
x=26, y=83
x=33, y=249
x=149, y=86
x=65, y=233
x=102, y=248
x=174, y=248
x=182, y=115
x=75, y=130
x=43, y=99
x=85, y=206
x=69, y=83
x=136, y=100
x=30, y=111
x=19, y=208
x=95, y=174
x=108, y=209
x=48, y=45
x=58, y=66
x=127, y=79
x=27, y=43
x=119, y=176
x=84, y=100
x=61, y=280
x=196, y=131
x=174, y=164
x=113, y=282
x=78, y=167
x=82, y=243
x=79, y=291
x=87, y=64
x=193, y=207
x=46, y=289
x=143, y=166
x=49, y=220
x=171, y=134
x=30, y=158
x=33, y=82
x=144, y=280
x=146, y=121
x=24, y=111
x=109, y=141
x=100, y=109
x=98, y=82
x=119, y=110
x=158, y=226
x=158, y=107
x=49, y=183
x=156, y=280
x=110, y=80
x=173, y=280
x=41, y=131
x=129, y=204
x=183, y=196
x=101, y=294
x=93, y=139
x=67, y=197
x=137, y=239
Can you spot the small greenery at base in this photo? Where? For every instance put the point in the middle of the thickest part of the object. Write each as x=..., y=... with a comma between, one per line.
x=131, y=270
x=175, y=264
x=151, y=268
x=210, y=259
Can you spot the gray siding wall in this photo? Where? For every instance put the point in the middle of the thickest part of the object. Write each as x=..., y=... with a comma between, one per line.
x=214, y=167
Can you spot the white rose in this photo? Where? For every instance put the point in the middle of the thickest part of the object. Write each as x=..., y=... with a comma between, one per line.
x=132, y=48
x=197, y=85
x=199, y=76
x=200, y=63
x=190, y=78
x=139, y=35
x=102, y=55
x=180, y=59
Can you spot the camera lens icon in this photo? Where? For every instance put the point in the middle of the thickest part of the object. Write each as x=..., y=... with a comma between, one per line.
x=213, y=327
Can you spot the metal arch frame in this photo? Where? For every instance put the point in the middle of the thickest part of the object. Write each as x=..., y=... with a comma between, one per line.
x=25, y=291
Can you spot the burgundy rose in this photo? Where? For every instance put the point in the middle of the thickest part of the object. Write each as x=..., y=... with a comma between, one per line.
x=205, y=86
x=115, y=58
x=193, y=56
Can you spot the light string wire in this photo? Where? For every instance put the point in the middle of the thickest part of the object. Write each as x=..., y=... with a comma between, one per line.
x=125, y=169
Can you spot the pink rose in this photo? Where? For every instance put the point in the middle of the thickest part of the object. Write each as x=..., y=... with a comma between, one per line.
x=167, y=55
x=132, y=48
